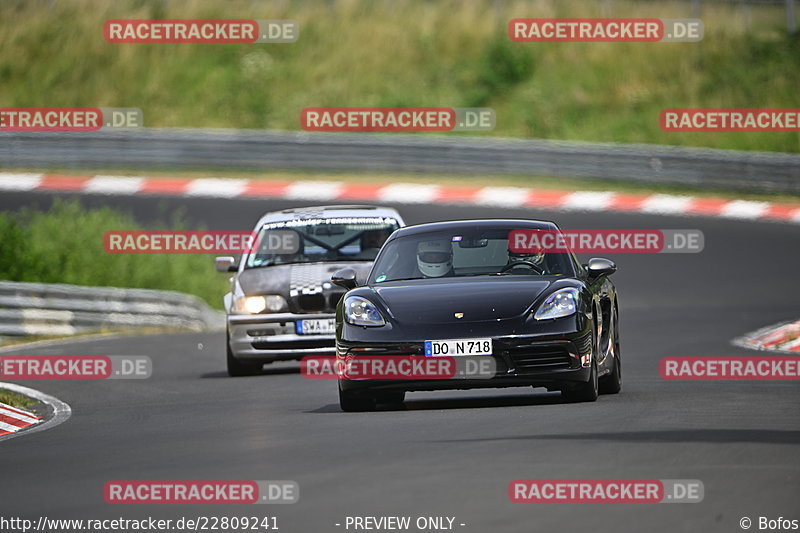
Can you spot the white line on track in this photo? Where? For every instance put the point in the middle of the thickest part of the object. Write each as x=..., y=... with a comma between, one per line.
x=744, y=209
x=114, y=185
x=588, y=200
x=502, y=196
x=10, y=412
x=20, y=182
x=61, y=411
x=314, y=190
x=666, y=204
x=216, y=187
x=411, y=193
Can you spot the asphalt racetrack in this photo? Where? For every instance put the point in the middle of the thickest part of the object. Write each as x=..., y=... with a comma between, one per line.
x=446, y=453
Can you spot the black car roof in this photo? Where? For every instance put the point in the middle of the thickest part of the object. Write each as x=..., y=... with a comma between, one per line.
x=456, y=225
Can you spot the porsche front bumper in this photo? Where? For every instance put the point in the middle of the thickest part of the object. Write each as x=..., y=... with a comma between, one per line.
x=521, y=360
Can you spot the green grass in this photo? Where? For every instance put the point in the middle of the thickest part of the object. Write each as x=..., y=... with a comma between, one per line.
x=65, y=245
x=407, y=53
x=14, y=399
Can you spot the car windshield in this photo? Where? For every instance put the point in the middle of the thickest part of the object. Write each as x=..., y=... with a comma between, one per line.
x=463, y=253
x=320, y=240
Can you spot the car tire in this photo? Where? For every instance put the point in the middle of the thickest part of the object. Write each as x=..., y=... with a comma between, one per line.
x=612, y=383
x=589, y=391
x=586, y=392
x=238, y=368
x=352, y=403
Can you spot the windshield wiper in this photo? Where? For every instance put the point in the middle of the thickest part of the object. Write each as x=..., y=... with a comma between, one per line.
x=398, y=279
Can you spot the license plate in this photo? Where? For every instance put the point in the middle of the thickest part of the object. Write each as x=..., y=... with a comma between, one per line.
x=319, y=326
x=458, y=347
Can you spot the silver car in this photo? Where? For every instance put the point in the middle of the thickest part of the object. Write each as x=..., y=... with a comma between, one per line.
x=282, y=302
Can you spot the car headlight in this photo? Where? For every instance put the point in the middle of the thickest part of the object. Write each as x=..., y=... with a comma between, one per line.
x=361, y=312
x=272, y=303
x=563, y=302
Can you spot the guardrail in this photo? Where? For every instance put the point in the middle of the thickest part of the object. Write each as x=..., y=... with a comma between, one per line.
x=56, y=309
x=254, y=149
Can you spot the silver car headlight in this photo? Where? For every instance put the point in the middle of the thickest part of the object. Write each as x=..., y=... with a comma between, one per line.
x=270, y=303
x=361, y=312
x=563, y=302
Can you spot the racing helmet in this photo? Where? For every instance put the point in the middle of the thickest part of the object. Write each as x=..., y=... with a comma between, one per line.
x=537, y=258
x=434, y=258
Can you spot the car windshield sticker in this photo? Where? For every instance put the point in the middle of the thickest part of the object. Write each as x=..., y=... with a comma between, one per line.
x=359, y=221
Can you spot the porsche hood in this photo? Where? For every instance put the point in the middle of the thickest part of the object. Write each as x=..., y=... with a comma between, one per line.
x=426, y=302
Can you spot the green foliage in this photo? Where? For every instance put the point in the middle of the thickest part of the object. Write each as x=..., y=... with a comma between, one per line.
x=65, y=245
x=504, y=64
x=407, y=53
x=15, y=400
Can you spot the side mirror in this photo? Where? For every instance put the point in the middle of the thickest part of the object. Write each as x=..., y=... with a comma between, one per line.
x=599, y=267
x=345, y=277
x=226, y=263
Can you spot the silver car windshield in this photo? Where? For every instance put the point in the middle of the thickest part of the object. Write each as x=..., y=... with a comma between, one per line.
x=320, y=240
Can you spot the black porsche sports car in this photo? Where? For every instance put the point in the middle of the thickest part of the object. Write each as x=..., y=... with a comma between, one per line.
x=545, y=319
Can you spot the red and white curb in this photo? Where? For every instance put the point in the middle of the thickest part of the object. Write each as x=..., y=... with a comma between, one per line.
x=16, y=422
x=411, y=193
x=784, y=337
x=13, y=420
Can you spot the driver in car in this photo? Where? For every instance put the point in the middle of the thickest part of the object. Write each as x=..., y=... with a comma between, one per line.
x=371, y=242
x=281, y=257
x=435, y=259
x=537, y=258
